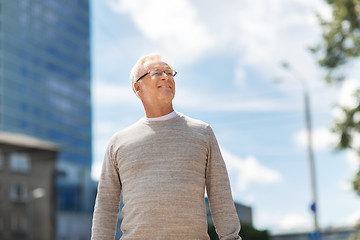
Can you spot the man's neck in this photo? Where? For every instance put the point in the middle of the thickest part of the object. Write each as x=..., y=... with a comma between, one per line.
x=158, y=112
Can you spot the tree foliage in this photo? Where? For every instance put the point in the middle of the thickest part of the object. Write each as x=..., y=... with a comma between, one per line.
x=341, y=44
x=247, y=232
x=348, y=129
x=356, y=235
x=341, y=38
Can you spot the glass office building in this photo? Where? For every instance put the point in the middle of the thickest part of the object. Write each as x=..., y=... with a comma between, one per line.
x=45, y=90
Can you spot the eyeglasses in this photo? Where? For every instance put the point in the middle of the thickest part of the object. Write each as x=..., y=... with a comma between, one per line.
x=158, y=73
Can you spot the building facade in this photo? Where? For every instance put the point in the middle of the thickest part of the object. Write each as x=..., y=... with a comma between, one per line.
x=332, y=233
x=45, y=93
x=27, y=192
x=244, y=213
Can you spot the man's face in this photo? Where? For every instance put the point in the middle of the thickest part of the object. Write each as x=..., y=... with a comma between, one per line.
x=157, y=88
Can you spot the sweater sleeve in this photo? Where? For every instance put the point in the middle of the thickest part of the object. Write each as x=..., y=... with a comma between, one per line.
x=107, y=202
x=218, y=189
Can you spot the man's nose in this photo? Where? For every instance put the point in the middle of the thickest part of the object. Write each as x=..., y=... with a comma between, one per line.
x=164, y=75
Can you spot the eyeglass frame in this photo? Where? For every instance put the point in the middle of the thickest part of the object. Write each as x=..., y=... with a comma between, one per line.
x=174, y=74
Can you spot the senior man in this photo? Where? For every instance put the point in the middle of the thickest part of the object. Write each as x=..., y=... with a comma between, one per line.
x=161, y=165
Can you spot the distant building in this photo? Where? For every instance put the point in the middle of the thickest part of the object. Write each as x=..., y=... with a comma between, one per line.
x=45, y=92
x=336, y=233
x=27, y=192
x=244, y=212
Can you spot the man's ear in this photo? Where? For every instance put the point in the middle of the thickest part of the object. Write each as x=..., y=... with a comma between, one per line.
x=136, y=87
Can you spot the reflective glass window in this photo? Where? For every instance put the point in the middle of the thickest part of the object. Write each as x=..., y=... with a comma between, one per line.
x=24, y=3
x=19, y=162
x=24, y=19
x=36, y=9
x=19, y=193
x=24, y=124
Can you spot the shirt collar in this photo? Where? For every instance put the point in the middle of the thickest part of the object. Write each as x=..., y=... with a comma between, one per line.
x=163, y=118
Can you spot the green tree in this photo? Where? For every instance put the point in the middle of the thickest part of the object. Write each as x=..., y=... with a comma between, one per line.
x=340, y=38
x=247, y=232
x=339, y=46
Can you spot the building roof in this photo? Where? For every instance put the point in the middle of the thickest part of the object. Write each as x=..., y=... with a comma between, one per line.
x=25, y=141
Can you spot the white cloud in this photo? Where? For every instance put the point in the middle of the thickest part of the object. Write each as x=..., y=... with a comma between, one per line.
x=174, y=25
x=322, y=138
x=352, y=159
x=240, y=78
x=353, y=218
x=255, y=38
x=346, y=95
x=257, y=31
x=248, y=171
x=345, y=185
x=108, y=94
x=338, y=114
x=353, y=164
x=248, y=199
x=96, y=170
x=103, y=130
x=268, y=30
x=355, y=140
x=347, y=99
x=293, y=221
x=283, y=223
x=188, y=99
x=273, y=31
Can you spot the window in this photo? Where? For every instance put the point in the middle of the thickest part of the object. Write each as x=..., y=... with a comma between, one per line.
x=24, y=3
x=1, y=160
x=36, y=10
x=19, y=193
x=1, y=224
x=24, y=18
x=19, y=223
x=19, y=162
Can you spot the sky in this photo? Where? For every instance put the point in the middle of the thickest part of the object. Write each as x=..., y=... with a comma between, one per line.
x=228, y=55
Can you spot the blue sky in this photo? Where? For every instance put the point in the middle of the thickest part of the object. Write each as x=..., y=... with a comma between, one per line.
x=228, y=55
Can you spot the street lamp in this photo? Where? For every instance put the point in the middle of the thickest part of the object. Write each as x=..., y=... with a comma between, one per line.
x=305, y=89
x=35, y=194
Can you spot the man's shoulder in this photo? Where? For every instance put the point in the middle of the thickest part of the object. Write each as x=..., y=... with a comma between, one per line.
x=127, y=132
x=195, y=123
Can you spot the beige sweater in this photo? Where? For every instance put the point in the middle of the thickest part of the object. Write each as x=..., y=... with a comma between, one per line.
x=162, y=168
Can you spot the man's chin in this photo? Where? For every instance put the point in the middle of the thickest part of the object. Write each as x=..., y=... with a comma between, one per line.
x=168, y=97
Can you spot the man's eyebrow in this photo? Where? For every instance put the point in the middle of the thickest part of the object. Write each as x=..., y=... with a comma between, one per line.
x=159, y=69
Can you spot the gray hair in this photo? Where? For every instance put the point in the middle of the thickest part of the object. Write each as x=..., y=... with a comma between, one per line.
x=139, y=65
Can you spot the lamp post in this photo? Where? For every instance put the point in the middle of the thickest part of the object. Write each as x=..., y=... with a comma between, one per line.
x=35, y=194
x=305, y=89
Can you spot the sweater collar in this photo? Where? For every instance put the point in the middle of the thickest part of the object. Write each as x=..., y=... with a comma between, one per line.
x=163, y=118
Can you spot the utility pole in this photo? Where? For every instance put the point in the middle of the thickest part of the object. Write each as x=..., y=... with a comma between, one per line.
x=314, y=206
